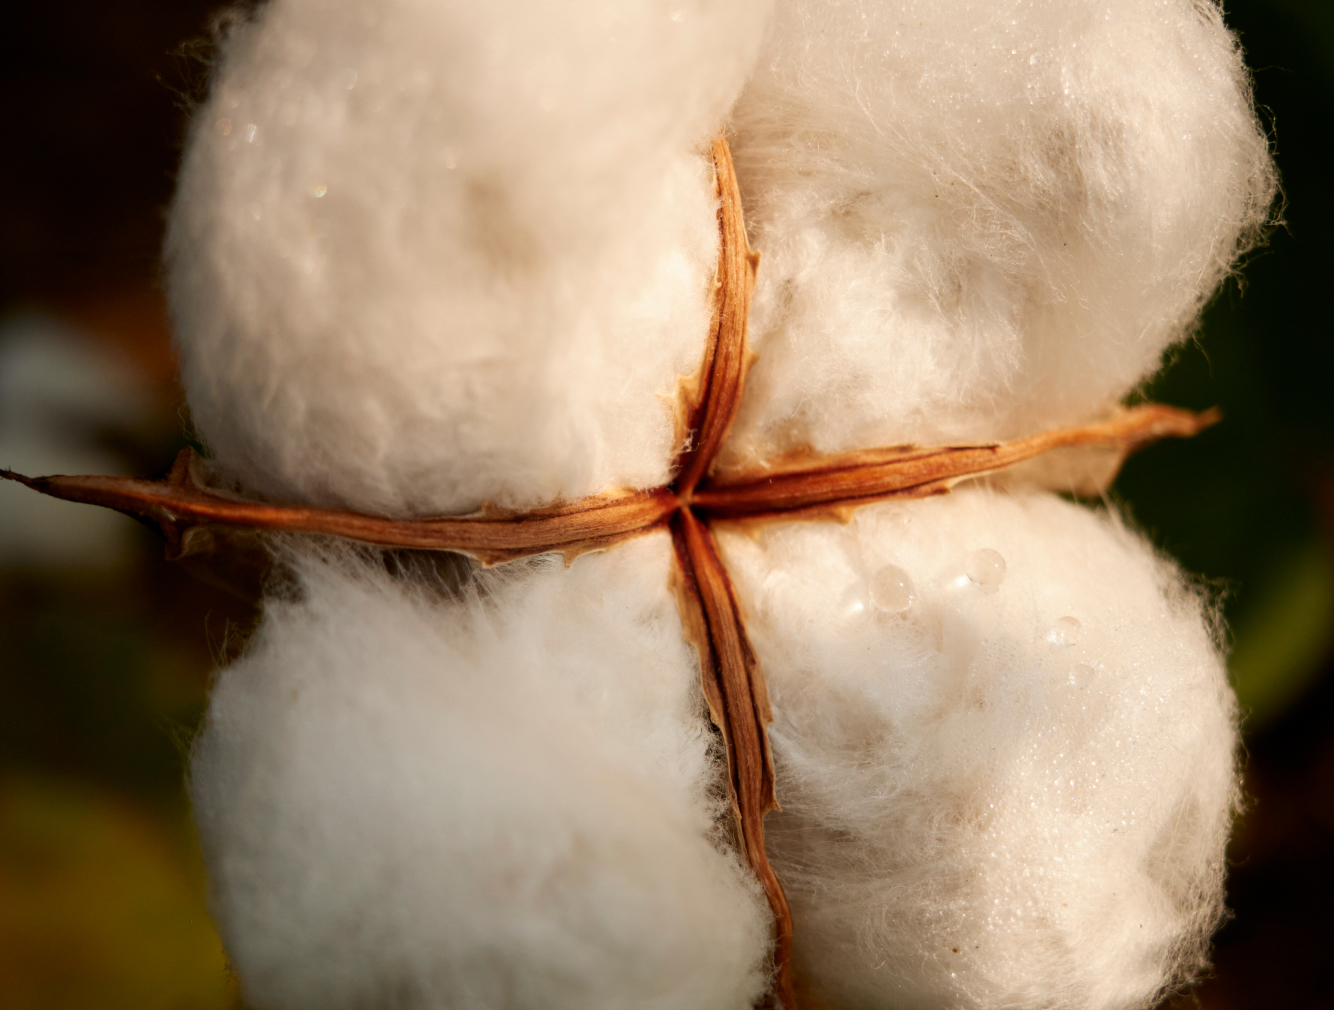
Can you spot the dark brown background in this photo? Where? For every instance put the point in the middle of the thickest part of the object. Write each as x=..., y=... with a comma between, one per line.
x=103, y=669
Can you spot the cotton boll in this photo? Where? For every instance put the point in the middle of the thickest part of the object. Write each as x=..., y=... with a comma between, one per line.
x=1015, y=791
x=426, y=254
x=502, y=801
x=982, y=219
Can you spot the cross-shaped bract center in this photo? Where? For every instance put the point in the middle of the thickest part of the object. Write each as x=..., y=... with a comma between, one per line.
x=792, y=488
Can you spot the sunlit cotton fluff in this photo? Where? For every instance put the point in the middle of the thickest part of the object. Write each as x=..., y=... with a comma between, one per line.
x=426, y=254
x=500, y=800
x=1016, y=792
x=980, y=219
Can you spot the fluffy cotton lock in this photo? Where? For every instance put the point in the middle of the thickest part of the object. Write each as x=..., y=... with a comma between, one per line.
x=427, y=254
x=503, y=799
x=1005, y=749
x=980, y=219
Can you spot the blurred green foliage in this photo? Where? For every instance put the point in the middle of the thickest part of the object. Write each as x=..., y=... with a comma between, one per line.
x=102, y=903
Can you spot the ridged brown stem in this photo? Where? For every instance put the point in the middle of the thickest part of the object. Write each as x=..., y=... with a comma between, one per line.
x=859, y=478
x=739, y=704
x=726, y=356
x=180, y=505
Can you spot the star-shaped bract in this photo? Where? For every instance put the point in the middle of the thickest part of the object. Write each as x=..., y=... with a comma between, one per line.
x=808, y=487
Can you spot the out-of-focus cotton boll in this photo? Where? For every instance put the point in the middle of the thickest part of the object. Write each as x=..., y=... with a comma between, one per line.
x=504, y=800
x=1005, y=749
x=428, y=254
x=981, y=219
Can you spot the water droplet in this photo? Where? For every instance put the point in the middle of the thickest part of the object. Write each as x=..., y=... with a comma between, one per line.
x=251, y=132
x=892, y=589
x=1065, y=632
x=1081, y=676
x=853, y=602
x=225, y=126
x=986, y=568
x=317, y=189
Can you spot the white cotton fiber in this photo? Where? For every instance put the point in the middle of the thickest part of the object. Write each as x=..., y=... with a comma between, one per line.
x=981, y=218
x=1006, y=790
x=429, y=253
x=504, y=800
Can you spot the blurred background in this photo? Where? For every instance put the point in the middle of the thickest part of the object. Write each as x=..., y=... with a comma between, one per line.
x=106, y=650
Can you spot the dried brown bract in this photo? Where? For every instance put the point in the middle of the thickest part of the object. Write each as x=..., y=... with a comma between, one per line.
x=182, y=506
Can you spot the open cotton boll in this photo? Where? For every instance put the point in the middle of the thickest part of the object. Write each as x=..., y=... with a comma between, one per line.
x=506, y=800
x=980, y=219
x=426, y=254
x=1005, y=749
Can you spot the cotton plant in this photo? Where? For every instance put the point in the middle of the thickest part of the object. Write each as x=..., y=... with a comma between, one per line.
x=443, y=276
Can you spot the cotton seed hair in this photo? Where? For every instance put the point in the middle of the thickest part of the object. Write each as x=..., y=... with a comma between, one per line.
x=425, y=255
